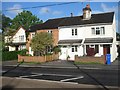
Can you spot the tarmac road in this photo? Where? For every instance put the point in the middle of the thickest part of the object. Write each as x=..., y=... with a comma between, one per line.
x=73, y=75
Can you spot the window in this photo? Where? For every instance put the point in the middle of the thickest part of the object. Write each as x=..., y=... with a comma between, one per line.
x=32, y=35
x=50, y=31
x=98, y=31
x=21, y=38
x=74, y=32
x=49, y=49
x=74, y=48
x=93, y=31
x=102, y=30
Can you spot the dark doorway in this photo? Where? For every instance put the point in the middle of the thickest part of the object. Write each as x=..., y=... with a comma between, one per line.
x=106, y=50
x=17, y=48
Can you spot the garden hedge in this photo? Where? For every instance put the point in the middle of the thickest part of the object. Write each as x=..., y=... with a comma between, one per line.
x=10, y=55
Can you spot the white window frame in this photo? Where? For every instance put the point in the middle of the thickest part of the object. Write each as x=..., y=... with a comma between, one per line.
x=74, y=48
x=50, y=31
x=21, y=38
x=95, y=30
x=74, y=32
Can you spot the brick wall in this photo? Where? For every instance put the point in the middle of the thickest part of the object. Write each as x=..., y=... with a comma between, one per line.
x=90, y=59
x=40, y=59
x=55, y=34
x=28, y=41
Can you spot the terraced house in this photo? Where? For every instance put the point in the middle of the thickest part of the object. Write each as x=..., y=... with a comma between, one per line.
x=87, y=35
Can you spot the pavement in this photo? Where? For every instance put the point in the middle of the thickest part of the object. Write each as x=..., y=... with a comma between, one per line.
x=65, y=64
x=20, y=83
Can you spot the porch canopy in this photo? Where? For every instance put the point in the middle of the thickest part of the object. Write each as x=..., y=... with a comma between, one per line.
x=98, y=40
x=70, y=41
x=17, y=44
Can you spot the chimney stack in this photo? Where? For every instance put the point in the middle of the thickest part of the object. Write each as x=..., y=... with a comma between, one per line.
x=87, y=12
x=71, y=14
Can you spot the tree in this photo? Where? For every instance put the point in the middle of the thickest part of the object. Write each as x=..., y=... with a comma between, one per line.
x=26, y=19
x=41, y=41
x=6, y=23
x=118, y=36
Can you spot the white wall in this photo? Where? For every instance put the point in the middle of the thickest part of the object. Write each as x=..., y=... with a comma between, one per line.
x=84, y=32
x=30, y=51
x=7, y=39
x=66, y=33
x=20, y=32
x=11, y=48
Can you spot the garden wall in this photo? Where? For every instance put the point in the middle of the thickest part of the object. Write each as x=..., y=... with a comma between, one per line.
x=39, y=59
x=89, y=59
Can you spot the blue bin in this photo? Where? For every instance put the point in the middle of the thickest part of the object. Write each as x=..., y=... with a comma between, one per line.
x=108, y=59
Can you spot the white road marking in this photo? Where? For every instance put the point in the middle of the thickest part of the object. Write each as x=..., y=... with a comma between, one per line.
x=30, y=75
x=53, y=74
x=71, y=79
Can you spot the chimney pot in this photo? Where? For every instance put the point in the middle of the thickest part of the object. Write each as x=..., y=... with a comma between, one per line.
x=71, y=14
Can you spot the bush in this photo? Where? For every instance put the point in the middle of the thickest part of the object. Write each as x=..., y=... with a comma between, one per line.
x=56, y=49
x=10, y=55
x=23, y=52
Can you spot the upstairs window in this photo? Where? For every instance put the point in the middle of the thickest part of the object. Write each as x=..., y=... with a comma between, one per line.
x=50, y=31
x=74, y=32
x=21, y=38
x=32, y=35
x=98, y=31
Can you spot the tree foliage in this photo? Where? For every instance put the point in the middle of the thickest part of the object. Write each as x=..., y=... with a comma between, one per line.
x=118, y=36
x=41, y=41
x=26, y=19
x=6, y=23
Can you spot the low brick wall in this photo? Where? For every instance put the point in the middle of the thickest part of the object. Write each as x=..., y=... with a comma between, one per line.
x=88, y=59
x=39, y=59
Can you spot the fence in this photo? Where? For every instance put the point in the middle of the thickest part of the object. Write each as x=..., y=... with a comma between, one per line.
x=39, y=59
x=88, y=59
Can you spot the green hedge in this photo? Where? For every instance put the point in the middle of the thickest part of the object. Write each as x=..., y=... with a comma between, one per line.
x=10, y=55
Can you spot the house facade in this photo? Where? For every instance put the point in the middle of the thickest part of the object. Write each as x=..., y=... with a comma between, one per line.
x=17, y=41
x=49, y=26
x=87, y=35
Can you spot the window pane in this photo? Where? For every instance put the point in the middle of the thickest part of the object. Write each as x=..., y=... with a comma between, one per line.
x=72, y=32
x=75, y=48
x=102, y=30
x=97, y=32
x=75, y=31
x=93, y=31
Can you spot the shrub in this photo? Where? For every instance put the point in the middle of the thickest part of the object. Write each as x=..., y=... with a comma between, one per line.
x=23, y=52
x=10, y=55
x=56, y=49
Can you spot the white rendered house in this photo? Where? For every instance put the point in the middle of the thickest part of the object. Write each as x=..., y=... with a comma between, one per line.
x=17, y=41
x=88, y=35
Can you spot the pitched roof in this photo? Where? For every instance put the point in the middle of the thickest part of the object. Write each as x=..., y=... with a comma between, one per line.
x=95, y=18
x=35, y=27
x=75, y=20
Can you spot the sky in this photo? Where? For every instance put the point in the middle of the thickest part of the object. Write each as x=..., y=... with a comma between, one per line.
x=58, y=11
